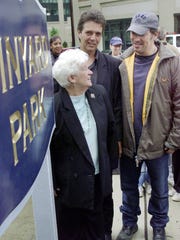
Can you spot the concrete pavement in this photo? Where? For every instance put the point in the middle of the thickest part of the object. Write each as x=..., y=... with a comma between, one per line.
x=23, y=227
x=172, y=229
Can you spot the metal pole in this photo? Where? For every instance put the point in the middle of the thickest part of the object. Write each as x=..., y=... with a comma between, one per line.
x=145, y=212
x=72, y=23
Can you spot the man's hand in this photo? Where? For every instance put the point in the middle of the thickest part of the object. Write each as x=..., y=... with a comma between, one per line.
x=169, y=150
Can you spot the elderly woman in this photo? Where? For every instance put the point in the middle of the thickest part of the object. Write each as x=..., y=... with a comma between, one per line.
x=82, y=146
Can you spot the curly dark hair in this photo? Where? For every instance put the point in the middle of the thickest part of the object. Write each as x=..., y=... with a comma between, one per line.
x=91, y=15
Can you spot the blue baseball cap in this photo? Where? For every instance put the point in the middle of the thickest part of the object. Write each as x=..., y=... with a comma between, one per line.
x=142, y=22
x=116, y=41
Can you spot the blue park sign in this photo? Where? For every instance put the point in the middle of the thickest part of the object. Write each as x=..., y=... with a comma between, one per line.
x=26, y=99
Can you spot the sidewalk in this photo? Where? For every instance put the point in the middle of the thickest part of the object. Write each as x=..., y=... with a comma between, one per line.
x=23, y=227
x=172, y=229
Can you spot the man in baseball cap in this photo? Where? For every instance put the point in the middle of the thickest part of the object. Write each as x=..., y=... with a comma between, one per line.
x=115, y=46
x=150, y=76
x=142, y=22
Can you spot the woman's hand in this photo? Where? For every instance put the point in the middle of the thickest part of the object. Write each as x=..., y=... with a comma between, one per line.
x=56, y=192
x=120, y=149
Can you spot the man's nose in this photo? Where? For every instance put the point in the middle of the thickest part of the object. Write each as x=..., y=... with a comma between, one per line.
x=93, y=36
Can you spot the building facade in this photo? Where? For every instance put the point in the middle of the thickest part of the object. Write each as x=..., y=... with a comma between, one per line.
x=118, y=14
x=58, y=14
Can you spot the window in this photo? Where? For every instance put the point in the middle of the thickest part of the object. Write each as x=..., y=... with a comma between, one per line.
x=117, y=28
x=51, y=9
x=48, y=1
x=169, y=40
x=178, y=41
x=67, y=9
x=177, y=23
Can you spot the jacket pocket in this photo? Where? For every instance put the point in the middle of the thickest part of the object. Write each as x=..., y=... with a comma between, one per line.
x=78, y=191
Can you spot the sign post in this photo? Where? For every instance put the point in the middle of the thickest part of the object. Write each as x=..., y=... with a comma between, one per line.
x=26, y=109
x=43, y=203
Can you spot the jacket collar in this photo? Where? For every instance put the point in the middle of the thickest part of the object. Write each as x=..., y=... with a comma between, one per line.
x=163, y=52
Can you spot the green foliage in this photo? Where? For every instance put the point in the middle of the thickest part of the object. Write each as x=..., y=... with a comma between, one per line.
x=53, y=32
x=65, y=45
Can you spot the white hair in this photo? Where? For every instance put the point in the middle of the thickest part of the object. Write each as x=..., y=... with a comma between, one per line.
x=67, y=64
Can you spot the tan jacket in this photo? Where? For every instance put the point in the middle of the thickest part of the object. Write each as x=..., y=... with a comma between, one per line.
x=162, y=125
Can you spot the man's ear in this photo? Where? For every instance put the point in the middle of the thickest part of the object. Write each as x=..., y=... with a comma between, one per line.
x=79, y=35
x=156, y=35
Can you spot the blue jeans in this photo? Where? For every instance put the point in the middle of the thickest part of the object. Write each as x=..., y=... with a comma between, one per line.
x=144, y=176
x=158, y=204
